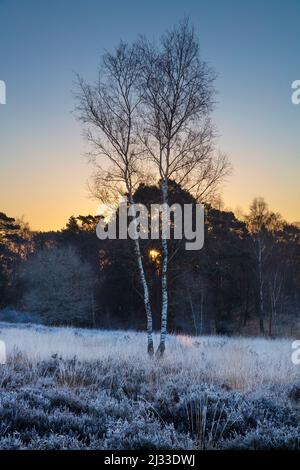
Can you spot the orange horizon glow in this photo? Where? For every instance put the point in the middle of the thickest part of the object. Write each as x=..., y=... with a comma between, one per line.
x=43, y=173
x=45, y=211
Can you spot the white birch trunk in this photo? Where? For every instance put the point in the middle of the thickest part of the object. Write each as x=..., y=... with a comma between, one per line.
x=146, y=298
x=164, y=272
x=146, y=295
x=261, y=299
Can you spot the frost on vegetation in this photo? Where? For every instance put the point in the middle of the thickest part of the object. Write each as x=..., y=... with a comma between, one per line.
x=77, y=389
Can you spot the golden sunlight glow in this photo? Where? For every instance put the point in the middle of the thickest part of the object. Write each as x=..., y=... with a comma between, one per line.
x=154, y=255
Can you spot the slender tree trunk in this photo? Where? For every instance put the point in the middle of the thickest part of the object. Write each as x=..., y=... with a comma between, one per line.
x=193, y=313
x=261, y=299
x=164, y=272
x=273, y=313
x=261, y=310
x=146, y=295
x=146, y=298
x=201, y=312
x=275, y=289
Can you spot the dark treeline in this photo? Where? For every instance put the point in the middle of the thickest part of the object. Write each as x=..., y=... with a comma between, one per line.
x=246, y=279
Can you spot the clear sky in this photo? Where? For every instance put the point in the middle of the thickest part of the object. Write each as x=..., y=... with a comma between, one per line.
x=253, y=45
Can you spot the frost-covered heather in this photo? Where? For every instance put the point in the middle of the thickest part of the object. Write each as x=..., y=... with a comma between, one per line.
x=242, y=363
x=89, y=389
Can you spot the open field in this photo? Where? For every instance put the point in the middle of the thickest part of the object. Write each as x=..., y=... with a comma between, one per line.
x=65, y=388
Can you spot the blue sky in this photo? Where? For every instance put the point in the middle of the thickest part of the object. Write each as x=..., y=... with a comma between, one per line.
x=253, y=46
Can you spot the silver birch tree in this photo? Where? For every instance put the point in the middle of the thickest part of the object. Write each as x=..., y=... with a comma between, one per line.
x=177, y=98
x=108, y=109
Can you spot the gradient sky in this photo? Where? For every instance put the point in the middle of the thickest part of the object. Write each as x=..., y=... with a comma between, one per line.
x=253, y=46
